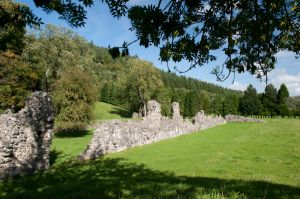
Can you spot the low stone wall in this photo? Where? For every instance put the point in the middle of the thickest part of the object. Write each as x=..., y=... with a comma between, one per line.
x=237, y=118
x=117, y=135
x=25, y=137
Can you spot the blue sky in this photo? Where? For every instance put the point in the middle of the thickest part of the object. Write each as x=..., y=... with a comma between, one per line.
x=104, y=30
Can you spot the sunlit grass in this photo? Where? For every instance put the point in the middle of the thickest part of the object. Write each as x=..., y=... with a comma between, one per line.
x=104, y=111
x=237, y=160
x=249, y=151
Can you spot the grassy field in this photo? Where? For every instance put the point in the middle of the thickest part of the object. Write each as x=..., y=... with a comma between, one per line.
x=66, y=148
x=230, y=161
x=104, y=111
x=1, y=111
x=69, y=145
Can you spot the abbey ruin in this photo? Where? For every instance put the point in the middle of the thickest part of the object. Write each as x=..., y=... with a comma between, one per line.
x=25, y=137
x=113, y=136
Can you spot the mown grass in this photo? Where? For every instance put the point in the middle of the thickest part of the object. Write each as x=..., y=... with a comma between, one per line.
x=231, y=161
x=104, y=111
x=262, y=151
x=66, y=148
x=69, y=145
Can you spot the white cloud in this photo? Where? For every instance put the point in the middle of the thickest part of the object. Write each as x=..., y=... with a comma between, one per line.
x=292, y=81
x=238, y=86
x=285, y=55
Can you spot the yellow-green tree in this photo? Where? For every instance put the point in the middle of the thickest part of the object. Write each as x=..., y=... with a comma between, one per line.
x=73, y=98
x=143, y=84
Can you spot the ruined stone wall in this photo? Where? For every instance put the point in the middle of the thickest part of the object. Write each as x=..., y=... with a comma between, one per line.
x=237, y=118
x=25, y=137
x=117, y=135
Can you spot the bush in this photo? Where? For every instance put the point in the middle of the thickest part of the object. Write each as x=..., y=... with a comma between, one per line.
x=17, y=81
x=73, y=97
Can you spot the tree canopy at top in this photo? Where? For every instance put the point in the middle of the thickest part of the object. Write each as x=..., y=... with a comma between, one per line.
x=249, y=33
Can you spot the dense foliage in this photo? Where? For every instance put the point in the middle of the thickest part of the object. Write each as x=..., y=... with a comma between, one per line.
x=74, y=95
x=17, y=79
x=142, y=85
x=249, y=33
x=250, y=104
x=270, y=103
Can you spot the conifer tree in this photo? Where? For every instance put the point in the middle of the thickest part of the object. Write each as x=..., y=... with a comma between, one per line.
x=269, y=101
x=249, y=104
x=282, y=96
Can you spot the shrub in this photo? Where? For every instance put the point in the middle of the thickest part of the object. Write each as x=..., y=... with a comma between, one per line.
x=73, y=97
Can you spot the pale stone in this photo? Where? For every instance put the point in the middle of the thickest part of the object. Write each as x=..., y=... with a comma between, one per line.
x=237, y=118
x=117, y=135
x=25, y=137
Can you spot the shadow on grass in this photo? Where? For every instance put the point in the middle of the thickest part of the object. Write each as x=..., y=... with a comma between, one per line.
x=72, y=134
x=116, y=178
x=121, y=112
x=54, y=154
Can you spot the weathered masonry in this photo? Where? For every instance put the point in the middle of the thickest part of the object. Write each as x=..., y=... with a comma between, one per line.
x=25, y=137
x=117, y=135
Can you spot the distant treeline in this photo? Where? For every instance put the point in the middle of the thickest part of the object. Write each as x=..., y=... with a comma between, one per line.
x=271, y=103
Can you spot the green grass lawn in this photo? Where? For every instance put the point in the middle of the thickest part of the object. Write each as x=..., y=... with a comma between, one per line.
x=67, y=147
x=1, y=111
x=237, y=160
x=104, y=111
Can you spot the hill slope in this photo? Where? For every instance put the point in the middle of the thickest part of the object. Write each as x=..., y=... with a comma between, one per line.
x=293, y=102
x=104, y=111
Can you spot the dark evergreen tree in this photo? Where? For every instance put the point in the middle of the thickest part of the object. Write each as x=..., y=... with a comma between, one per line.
x=269, y=101
x=187, y=105
x=181, y=96
x=282, y=96
x=204, y=104
x=217, y=105
x=249, y=104
x=195, y=103
x=230, y=105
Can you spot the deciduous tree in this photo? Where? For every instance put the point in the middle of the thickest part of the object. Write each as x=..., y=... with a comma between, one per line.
x=17, y=80
x=142, y=85
x=73, y=97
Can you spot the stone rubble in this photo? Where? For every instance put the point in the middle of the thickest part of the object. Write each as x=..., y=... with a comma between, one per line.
x=113, y=136
x=237, y=118
x=25, y=137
